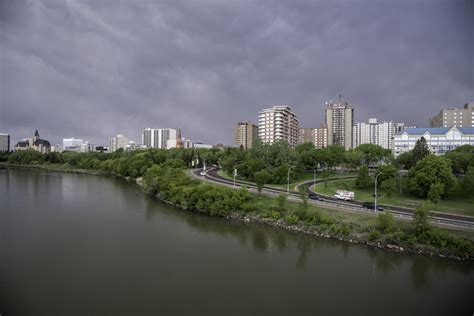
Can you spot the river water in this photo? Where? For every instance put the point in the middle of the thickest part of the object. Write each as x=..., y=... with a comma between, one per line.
x=81, y=244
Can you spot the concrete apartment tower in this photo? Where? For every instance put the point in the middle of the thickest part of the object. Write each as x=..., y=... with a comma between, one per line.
x=373, y=132
x=4, y=142
x=454, y=117
x=245, y=134
x=164, y=138
x=278, y=123
x=340, y=121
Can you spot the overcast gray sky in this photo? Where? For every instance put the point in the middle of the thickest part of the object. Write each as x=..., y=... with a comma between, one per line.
x=92, y=69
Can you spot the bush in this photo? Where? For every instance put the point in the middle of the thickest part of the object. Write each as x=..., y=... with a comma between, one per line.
x=374, y=235
x=386, y=221
x=292, y=219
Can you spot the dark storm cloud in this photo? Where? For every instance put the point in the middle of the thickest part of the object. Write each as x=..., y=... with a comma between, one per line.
x=92, y=69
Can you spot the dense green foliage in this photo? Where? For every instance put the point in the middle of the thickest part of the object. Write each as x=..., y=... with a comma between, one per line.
x=432, y=169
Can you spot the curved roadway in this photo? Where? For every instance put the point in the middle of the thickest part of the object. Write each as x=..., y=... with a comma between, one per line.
x=453, y=220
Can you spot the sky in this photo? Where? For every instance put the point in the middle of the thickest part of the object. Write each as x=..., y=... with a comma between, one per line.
x=91, y=69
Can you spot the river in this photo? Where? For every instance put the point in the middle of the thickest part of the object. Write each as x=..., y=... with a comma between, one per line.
x=81, y=244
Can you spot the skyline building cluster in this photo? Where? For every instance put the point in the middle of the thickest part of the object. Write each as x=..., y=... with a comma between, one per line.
x=450, y=128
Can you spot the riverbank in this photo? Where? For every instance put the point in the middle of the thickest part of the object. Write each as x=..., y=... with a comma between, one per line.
x=334, y=229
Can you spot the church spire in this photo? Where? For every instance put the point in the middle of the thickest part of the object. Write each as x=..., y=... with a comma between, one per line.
x=179, y=141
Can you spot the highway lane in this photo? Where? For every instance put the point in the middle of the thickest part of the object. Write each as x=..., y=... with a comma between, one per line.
x=443, y=219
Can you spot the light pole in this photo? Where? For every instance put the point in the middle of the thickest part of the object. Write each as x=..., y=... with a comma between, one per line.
x=326, y=176
x=235, y=169
x=314, y=176
x=197, y=162
x=376, y=177
x=289, y=169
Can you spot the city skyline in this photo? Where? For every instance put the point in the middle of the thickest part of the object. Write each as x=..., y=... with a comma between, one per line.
x=165, y=64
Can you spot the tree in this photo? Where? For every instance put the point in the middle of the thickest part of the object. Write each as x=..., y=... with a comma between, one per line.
x=421, y=149
x=386, y=221
x=363, y=179
x=281, y=199
x=304, y=204
x=405, y=160
x=372, y=153
x=432, y=169
x=435, y=192
x=468, y=181
x=261, y=177
x=461, y=158
x=388, y=187
x=421, y=219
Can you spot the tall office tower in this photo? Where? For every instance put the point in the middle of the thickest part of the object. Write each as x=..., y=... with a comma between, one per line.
x=454, y=117
x=179, y=140
x=163, y=138
x=4, y=142
x=340, y=119
x=321, y=136
x=117, y=142
x=278, y=123
x=373, y=132
x=245, y=134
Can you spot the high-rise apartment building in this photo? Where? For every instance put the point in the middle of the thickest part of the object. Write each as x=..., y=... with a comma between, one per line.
x=454, y=117
x=306, y=135
x=278, y=123
x=245, y=134
x=317, y=136
x=340, y=120
x=373, y=132
x=4, y=142
x=321, y=136
x=117, y=142
x=164, y=138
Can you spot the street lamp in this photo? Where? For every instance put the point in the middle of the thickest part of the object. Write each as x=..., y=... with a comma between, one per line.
x=289, y=178
x=235, y=169
x=376, y=177
x=326, y=176
x=314, y=176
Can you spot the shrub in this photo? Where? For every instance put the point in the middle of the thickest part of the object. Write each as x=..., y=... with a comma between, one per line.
x=292, y=219
x=374, y=235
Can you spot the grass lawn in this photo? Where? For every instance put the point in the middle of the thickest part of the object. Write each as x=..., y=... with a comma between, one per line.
x=463, y=206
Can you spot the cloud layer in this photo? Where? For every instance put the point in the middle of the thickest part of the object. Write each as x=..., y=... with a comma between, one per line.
x=92, y=69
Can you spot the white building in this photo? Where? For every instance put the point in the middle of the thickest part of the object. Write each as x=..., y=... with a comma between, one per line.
x=440, y=139
x=77, y=145
x=278, y=123
x=117, y=142
x=201, y=145
x=373, y=132
x=164, y=138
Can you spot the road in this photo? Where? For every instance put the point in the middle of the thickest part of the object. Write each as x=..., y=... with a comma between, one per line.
x=441, y=219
